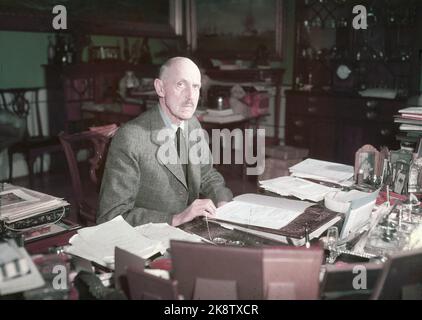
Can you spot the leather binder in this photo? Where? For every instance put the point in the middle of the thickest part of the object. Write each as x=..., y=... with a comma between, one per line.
x=316, y=218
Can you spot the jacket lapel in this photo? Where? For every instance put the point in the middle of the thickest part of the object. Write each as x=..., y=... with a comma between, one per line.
x=157, y=124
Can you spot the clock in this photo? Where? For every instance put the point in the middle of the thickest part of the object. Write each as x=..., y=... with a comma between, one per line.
x=343, y=71
x=343, y=77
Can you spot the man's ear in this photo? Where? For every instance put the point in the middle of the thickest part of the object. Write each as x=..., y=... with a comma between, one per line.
x=159, y=87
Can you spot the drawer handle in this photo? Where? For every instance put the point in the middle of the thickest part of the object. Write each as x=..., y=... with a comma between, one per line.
x=312, y=109
x=299, y=123
x=371, y=103
x=312, y=99
x=385, y=132
x=298, y=138
x=371, y=115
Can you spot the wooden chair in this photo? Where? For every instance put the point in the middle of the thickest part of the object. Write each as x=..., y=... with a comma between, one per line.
x=24, y=102
x=291, y=273
x=340, y=281
x=145, y=286
x=96, y=141
x=401, y=273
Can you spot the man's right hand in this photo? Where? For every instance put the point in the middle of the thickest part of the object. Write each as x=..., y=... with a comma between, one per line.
x=200, y=207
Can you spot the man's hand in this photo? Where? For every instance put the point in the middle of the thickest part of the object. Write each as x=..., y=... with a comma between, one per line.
x=200, y=207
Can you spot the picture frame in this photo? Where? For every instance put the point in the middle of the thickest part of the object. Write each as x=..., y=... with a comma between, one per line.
x=215, y=26
x=367, y=162
x=415, y=176
x=400, y=170
x=160, y=18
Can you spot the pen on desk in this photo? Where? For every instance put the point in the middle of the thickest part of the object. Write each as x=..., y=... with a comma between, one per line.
x=307, y=243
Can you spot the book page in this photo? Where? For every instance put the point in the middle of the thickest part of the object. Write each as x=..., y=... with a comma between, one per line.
x=261, y=211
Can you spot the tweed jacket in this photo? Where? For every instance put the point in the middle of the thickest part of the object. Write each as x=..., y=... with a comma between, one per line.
x=141, y=187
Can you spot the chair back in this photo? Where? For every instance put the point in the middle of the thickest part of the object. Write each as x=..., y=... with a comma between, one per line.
x=96, y=143
x=145, y=286
x=401, y=274
x=354, y=281
x=291, y=273
x=24, y=103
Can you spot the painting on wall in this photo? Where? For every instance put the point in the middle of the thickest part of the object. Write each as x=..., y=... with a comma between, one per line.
x=224, y=28
x=118, y=17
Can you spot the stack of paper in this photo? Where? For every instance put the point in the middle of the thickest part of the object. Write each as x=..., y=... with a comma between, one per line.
x=17, y=203
x=98, y=243
x=164, y=233
x=297, y=187
x=261, y=211
x=324, y=171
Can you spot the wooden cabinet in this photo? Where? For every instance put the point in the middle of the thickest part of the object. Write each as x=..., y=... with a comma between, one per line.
x=334, y=127
x=69, y=87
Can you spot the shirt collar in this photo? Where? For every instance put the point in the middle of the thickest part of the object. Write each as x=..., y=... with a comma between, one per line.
x=170, y=124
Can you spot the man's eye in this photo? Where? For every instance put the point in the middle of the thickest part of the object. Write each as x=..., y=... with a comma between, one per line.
x=180, y=84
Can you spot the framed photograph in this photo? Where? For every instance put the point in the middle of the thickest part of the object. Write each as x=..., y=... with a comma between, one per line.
x=415, y=176
x=235, y=29
x=367, y=162
x=160, y=18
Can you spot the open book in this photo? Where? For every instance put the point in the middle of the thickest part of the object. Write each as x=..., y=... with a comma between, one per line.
x=278, y=219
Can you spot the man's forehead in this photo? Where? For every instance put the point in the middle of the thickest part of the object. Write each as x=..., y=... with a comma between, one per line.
x=183, y=71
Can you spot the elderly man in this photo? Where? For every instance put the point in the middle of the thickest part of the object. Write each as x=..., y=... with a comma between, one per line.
x=138, y=183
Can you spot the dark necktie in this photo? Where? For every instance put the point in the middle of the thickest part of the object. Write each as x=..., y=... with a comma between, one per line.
x=182, y=151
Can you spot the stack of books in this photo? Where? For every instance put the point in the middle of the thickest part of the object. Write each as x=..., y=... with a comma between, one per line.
x=410, y=120
x=22, y=208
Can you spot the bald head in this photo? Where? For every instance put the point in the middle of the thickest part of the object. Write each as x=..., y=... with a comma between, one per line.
x=178, y=88
x=176, y=62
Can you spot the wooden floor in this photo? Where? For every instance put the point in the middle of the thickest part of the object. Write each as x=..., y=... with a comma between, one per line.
x=58, y=184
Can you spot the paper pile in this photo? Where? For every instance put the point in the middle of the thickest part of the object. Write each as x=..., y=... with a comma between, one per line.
x=297, y=187
x=97, y=243
x=324, y=171
x=164, y=233
x=17, y=203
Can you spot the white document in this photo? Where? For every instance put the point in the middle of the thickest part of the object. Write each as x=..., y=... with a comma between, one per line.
x=18, y=203
x=417, y=110
x=322, y=170
x=300, y=188
x=261, y=211
x=163, y=232
x=97, y=243
x=29, y=281
x=356, y=205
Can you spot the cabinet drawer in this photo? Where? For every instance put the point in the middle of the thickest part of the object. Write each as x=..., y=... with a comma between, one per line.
x=297, y=130
x=310, y=105
x=372, y=110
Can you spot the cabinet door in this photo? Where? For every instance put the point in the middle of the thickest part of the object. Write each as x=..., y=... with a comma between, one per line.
x=354, y=134
x=322, y=138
